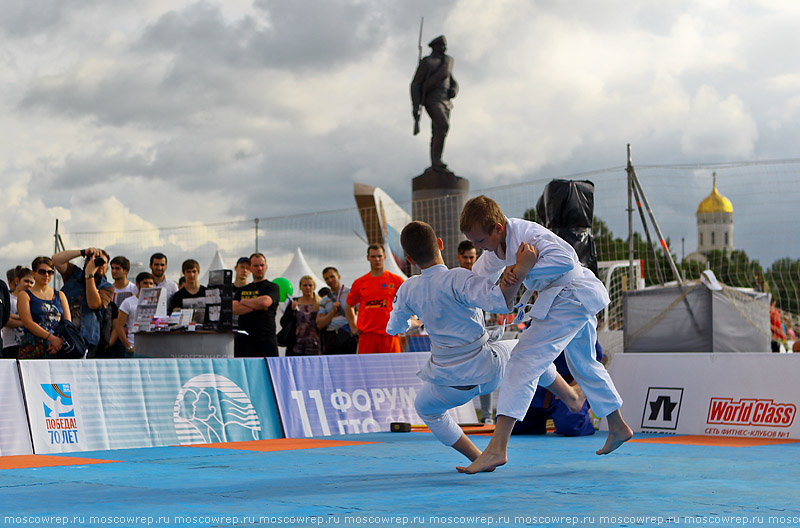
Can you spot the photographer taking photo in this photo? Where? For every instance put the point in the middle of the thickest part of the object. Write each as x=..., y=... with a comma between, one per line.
x=87, y=290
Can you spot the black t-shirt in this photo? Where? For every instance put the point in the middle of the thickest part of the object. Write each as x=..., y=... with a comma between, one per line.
x=177, y=299
x=260, y=324
x=5, y=307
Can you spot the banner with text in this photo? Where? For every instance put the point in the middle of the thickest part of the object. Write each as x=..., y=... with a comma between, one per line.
x=741, y=395
x=81, y=405
x=350, y=394
x=15, y=438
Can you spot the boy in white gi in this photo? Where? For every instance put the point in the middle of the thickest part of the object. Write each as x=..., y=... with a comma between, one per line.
x=569, y=297
x=464, y=362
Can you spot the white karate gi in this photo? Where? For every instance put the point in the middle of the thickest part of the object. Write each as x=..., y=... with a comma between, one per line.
x=564, y=318
x=449, y=303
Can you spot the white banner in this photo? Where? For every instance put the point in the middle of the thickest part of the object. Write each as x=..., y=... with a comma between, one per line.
x=82, y=405
x=350, y=393
x=750, y=395
x=15, y=437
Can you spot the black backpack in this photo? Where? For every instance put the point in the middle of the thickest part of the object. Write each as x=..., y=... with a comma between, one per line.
x=74, y=346
x=106, y=318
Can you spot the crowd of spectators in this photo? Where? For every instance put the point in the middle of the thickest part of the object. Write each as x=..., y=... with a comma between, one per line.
x=334, y=319
x=328, y=320
x=87, y=300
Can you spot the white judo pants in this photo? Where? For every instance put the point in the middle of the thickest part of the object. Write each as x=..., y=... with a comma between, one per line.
x=433, y=401
x=567, y=327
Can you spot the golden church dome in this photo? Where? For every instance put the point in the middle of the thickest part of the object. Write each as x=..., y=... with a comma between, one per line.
x=715, y=202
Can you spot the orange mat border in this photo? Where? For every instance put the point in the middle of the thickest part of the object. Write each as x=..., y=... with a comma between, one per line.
x=37, y=461
x=281, y=444
x=717, y=441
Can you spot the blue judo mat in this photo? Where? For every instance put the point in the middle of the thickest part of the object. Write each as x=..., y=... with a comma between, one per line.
x=409, y=479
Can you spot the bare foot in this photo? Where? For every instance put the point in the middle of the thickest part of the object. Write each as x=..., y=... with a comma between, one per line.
x=485, y=462
x=576, y=405
x=462, y=469
x=615, y=439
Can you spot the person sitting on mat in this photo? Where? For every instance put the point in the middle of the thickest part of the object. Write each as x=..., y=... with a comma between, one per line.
x=465, y=361
x=545, y=406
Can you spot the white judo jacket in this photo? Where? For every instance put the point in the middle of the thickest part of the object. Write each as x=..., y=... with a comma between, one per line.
x=449, y=303
x=556, y=269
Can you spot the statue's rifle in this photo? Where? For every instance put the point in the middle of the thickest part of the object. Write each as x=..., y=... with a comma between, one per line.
x=419, y=59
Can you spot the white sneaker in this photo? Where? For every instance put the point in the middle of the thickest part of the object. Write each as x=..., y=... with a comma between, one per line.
x=488, y=421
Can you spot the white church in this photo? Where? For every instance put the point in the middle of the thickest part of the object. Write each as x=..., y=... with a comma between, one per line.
x=714, y=224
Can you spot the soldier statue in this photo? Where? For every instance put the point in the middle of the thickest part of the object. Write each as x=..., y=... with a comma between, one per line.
x=434, y=86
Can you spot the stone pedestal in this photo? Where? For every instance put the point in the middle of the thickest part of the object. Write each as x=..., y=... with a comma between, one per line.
x=437, y=198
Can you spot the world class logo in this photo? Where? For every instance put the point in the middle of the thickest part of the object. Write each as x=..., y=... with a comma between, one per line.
x=761, y=412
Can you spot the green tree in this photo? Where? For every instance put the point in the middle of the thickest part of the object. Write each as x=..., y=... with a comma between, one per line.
x=532, y=215
x=783, y=278
x=733, y=268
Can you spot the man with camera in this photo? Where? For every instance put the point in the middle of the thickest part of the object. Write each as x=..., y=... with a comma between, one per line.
x=87, y=290
x=332, y=319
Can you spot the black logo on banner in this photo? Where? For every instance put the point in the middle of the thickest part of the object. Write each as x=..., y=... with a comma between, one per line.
x=662, y=407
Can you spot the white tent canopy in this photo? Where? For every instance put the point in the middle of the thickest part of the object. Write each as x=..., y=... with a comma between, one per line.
x=216, y=264
x=297, y=269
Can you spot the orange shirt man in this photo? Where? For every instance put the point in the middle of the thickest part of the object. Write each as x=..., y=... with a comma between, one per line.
x=373, y=293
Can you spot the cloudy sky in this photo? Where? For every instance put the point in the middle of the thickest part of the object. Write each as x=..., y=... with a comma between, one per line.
x=130, y=115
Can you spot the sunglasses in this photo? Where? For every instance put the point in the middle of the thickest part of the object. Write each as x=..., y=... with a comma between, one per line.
x=44, y=272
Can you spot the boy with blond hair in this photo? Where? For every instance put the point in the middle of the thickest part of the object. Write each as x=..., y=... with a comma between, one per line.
x=564, y=313
x=465, y=361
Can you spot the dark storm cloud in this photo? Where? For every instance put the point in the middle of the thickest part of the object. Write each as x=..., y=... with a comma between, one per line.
x=191, y=162
x=78, y=171
x=195, y=61
x=289, y=180
x=29, y=17
x=298, y=35
x=288, y=35
x=123, y=94
x=275, y=176
x=140, y=92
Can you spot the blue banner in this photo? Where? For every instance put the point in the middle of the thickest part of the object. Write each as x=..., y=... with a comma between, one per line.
x=82, y=405
x=349, y=394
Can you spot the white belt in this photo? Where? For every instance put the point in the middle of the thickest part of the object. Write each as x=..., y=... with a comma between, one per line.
x=450, y=352
x=541, y=306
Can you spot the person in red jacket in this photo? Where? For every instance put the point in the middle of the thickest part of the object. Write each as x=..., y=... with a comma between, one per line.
x=778, y=336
